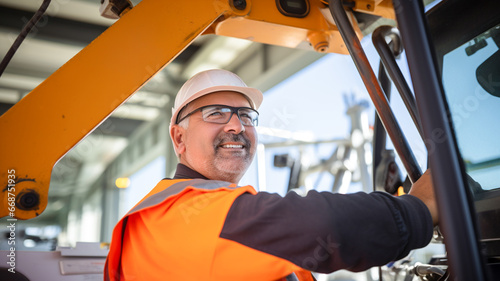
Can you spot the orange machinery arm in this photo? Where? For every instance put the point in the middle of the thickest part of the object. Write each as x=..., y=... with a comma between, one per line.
x=43, y=126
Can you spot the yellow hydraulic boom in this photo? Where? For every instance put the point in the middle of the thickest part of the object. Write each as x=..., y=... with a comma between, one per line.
x=67, y=106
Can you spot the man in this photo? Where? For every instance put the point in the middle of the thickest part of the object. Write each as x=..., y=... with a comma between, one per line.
x=201, y=226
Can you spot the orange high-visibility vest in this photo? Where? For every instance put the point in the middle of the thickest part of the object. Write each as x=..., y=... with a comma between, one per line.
x=173, y=234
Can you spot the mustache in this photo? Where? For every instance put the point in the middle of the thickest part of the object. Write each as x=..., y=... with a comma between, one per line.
x=225, y=137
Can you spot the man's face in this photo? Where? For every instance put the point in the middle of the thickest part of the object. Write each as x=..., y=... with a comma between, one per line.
x=217, y=151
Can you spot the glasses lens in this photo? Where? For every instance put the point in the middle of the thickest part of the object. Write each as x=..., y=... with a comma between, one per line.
x=216, y=114
x=248, y=116
x=221, y=115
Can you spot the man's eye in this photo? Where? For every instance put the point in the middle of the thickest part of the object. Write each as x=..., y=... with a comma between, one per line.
x=246, y=116
x=214, y=113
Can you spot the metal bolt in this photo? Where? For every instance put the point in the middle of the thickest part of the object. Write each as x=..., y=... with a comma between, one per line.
x=29, y=200
x=240, y=4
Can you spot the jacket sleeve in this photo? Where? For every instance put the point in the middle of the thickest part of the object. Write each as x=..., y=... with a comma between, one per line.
x=324, y=232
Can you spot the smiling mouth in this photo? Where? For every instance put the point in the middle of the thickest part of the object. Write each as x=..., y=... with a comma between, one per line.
x=231, y=143
x=238, y=146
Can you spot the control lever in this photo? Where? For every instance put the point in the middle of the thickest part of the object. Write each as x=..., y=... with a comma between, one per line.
x=387, y=173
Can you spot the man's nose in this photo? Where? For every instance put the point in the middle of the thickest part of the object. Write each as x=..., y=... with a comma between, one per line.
x=234, y=125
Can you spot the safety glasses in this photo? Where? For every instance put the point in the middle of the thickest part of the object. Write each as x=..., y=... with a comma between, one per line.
x=221, y=114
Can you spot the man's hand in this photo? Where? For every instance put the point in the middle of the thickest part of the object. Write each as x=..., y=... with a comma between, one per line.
x=424, y=190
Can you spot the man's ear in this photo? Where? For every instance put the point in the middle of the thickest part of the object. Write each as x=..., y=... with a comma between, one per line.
x=177, y=134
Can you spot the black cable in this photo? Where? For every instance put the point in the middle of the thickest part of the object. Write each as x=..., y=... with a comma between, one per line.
x=20, y=38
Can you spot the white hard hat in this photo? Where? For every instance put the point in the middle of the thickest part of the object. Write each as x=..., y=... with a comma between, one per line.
x=210, y=81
